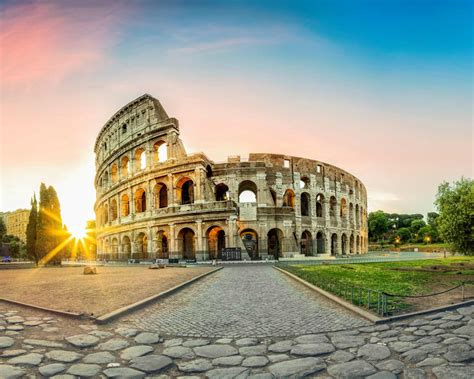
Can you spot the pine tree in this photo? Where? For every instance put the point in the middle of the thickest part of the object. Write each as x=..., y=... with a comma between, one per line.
x=31, y=232
x=59, y=234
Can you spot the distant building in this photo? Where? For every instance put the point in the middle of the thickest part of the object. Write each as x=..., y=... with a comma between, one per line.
x=16, y=222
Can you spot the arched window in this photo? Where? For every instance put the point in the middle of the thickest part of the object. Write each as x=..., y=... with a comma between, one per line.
x=160, y=195
x=320, y=243
x=140, y=201
x=304, y=182
x=185, y=190
x=186, y=242
x=343, y=210
x=247, y=192
x=114, y=249
x=162, y=241
x=319, y=205
x=114, y=172
x=106, y=213
x=105, y=179
x=275, y=237
x=289, y=198
x=306, y=243
x=124, y=166
x=334, y=244
x=305, y=204
x=126, y=247
x=332, y=206
x=222, y=192
x=113, y=209
x=140, y=159
x=215, y=242
x=142, y=246
x=274, y=196
x=208, y=171
x=125, y=205
x=344, y=244
x=160, y=152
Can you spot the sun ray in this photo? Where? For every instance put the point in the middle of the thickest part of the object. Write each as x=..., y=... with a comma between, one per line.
x=53, y=252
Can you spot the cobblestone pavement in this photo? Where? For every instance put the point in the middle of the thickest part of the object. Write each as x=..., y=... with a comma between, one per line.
x=250, y=301
x=436, y=346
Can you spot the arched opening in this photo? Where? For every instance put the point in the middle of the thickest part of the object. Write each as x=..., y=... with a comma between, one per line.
x=124, y=166
x=125, y=205
x=185, y=189
x=113, y=210
x=247, y=192
x=215, y=242
x=320, y=246
x=319, y=205
x=162, y=245
x=351, y=213
x=105, y=179
x=140, y=200
x=306, y=243
x=274, y=241
x=142, y=246
x=208, y=171
x=222, y=192
x=106, y=213
x=304, y=182
x=140, y=159
x=357, y=216
x=160, y=152
x=250, y=241
x=344, y=244
x=126, y=248
x=357, y=245
x=334, y=244
x=114, y=255
x=351, y=244
x=114, y=172
x=186, y=242
x=289, y=198
x=160, y=196
x=274, y=197
x=343, y=210
x=332, y=206
x=305, y=204
x=107, y=250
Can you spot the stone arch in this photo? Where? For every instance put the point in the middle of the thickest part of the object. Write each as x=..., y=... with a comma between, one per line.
x=160, y=195
x=125, y=205
x=186, y=243
x=126, y=247
x=344, y=244
x=140, y=159
x=306, y=243
x=332, y=206
x=357, y=217
x=106, y=213
x=208, y=171
x=107, y=249
x=215, y=242
x=343, y=209
x=114, y=173
x=113, y=210
x=247, y=192
x=289, y=198
x=105, y=179
x=250, y=241
x=160, y=151
x=304, y=182
x=162, y=245
x=222, y=192
x=319, y=205
x=99, y=215
x=351, y=244
x=125, y=166
x=320, y=243
x=140, y=200
x=185, y=190
x=274, y=196
x=358, y=245
x=334, y=244
x=114, y=254
x=142, y=246
x=351, y=212
x=305, y=204
x=275, y=242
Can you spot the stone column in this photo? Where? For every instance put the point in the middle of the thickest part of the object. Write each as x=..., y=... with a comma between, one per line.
x=327, y=242
x=171, y=191
x=232, y=230
x=199, y=237
x=172, y=241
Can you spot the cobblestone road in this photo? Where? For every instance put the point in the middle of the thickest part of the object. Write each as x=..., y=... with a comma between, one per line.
x=244, y=301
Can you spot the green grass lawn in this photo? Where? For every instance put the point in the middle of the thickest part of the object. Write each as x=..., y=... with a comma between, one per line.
x=384, y=276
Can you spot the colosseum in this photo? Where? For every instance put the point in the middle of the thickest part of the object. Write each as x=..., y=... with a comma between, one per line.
x=155, y=201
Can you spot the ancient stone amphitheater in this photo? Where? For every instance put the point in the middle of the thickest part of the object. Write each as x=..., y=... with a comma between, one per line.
x=156, y=201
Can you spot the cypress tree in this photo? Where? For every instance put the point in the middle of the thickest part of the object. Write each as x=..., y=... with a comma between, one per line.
x=43, y=224
x=31, y=231
x=58, y=234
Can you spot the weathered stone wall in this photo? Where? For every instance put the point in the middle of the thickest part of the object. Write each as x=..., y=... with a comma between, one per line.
x=154, y=200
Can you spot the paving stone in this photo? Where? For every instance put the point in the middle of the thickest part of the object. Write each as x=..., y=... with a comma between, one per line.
x=11, y=333
x=465, y=311
x=253, y=350
x=123, y=372
x=467, y=330
x=215, y=351
x=179, y=352
x=281, y=347
x=453, y=340
x=83, y=340
x=429, y=340
x=344, y=342
x=353, y=369
x=173, y=342
x=420, y=332
x=453, y=317
x=459, y=353
x=274, y=358
x=52, y=369
x=256, y=361
x=389, y=333
x=383, y=375
x=453, y=372
x=84, y=370
x=419, y=322
x=147, y=338
x=135, y=351
x=6, y=342
x=406, y=338
x=312, y=338
x=113, y=344
x=401, y=347
x=32, y=323
x=63, y=356
x=451, y=325
x=392, y=365
x=31, y=359
x=312, y=349
x=414, y=373
x=126, y=332
x=100, y=334
x=431, y=361
x=11, y=372
x=151, y=363
x=262, y=375
x=196, y=365
x=225, y=373
x=12, y=353
x=414, y=355
x=224, y=340
x=233, y=360
x=15, y=320
x=374, y=352
x=101, y=357
x=341, y=356
x=197, y=342
x=433, y=347
x=436, y=332
x=246, y=341
x=52, y=329
x=297, y=367
x=15, y=328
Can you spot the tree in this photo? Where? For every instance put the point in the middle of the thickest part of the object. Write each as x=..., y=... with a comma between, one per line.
x=404, y=234
x=455, y=203
x=428, y=234
x=31, y=232
x=415, y=227
x=3, y=228
x=431, y=219
x=378, y=224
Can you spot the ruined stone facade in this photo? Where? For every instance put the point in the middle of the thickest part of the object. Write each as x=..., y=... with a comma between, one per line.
x=156, y=201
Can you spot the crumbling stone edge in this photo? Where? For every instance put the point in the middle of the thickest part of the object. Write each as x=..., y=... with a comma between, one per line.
x=50, y=310
x=139, y=304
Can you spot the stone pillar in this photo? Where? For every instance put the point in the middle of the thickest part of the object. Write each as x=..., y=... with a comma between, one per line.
x=172, y=240
x=327, y=242
x=149, y=247
x=171, y=191
x=232, y=232
x=199, y=246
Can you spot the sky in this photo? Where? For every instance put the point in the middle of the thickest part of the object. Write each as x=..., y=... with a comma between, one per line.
x=382, y=89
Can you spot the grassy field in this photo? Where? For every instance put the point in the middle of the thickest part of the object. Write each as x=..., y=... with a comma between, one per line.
x=398, y=278
x=411, y=246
